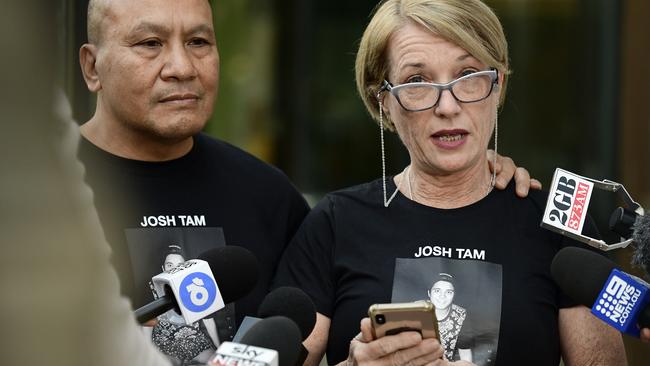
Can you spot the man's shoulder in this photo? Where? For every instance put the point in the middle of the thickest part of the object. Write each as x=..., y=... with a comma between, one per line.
x=237, y=160
x=242, y=168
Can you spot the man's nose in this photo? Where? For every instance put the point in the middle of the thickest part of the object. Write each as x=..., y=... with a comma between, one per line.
x=179, y=64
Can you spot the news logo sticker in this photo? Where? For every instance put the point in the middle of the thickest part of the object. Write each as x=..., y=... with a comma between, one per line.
x=568, y=201
x=194, y=287
x=229, y=354
x=197, y=292
x=619, y=302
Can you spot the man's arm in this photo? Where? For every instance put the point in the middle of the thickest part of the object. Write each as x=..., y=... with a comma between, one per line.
x=586, y=340
x=506, y=169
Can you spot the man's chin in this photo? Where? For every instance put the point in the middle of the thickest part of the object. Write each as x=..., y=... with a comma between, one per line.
x=178, y=131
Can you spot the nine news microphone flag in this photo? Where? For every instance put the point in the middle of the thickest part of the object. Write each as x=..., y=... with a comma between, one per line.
x=617, y=298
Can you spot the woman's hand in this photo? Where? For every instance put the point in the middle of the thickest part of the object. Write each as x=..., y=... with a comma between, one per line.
x=406, y=348
x=505, y=169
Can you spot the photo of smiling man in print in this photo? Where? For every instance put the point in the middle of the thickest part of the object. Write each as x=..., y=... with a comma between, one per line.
x=467, y=297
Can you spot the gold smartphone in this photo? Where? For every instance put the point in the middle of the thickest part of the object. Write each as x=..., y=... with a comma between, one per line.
x=389, y=319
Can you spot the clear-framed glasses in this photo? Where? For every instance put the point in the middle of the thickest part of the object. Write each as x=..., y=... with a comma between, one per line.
x=420, y=96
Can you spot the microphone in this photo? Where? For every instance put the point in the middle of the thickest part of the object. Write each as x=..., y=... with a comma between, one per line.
x=296, y=305
x=628, y=224
x=193, y=283
x=273, y=341
x=568, y=201
x=641, y=238
x=617, y=298
x=291, y=302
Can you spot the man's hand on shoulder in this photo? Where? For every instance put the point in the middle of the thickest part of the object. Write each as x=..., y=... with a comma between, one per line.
x=505, y=170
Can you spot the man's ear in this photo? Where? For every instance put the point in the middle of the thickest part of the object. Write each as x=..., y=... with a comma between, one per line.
x=88, y=61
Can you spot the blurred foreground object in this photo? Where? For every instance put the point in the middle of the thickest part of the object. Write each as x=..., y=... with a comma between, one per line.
x=61, y=302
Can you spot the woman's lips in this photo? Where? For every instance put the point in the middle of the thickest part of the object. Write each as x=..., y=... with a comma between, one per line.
x=450, y=139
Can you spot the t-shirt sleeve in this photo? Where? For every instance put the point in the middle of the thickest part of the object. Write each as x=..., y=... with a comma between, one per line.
x=307, y=261
x=298, y=209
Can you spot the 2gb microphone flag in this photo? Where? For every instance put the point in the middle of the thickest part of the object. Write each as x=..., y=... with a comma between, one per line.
x=568, y=200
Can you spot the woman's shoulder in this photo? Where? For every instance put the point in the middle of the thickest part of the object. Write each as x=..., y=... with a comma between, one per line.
x=364, y=193
x=536, y=198
x=368, y=195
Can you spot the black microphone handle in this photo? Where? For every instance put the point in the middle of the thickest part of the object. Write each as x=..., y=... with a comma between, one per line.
x=157, y=307
x=644, y=318
x=302, y=355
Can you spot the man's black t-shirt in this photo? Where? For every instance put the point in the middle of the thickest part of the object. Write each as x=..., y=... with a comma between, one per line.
x=215, y=195
x=352, y=252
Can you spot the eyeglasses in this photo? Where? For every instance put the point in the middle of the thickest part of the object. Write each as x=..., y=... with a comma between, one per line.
x=415, y=97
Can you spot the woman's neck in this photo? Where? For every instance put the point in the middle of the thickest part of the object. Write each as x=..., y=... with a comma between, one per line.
x=446, y=191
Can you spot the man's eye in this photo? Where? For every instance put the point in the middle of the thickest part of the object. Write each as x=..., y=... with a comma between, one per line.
x=198, y=42
x=150, y=43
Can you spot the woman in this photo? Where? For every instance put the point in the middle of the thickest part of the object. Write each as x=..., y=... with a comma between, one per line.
x=435, y=71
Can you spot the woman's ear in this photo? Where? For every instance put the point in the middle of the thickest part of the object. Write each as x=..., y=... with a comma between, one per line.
x=88, y=63
x=384, y=107
x=501, y=77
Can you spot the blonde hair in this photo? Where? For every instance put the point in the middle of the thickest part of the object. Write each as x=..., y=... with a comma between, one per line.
x=470, y=24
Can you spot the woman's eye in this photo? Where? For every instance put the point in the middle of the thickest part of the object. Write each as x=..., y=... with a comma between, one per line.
x=415, y=79
x=467, y=72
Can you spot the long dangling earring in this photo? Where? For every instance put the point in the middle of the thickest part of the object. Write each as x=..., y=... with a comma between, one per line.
x=383, y=157
x=383, y=152
x=493, y=180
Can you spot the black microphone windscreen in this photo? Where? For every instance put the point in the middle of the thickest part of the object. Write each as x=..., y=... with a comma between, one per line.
x=641, y=237
x=293, y=303
x=235, y=269
x=581, y=273
x=277, y=333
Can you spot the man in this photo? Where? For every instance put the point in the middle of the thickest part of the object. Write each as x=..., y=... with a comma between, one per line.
x=450, y=318
x=157, y=179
